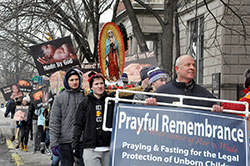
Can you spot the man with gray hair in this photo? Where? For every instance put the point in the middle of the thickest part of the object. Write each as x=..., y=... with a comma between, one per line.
x=185, y=85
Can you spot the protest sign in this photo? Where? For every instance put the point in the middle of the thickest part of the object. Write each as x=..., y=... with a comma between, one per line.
x=21, y=113
x=11, y=91
x=54, y=55
x=154, y=135
x=141, y=58
x=25, y=86
x=36, y=97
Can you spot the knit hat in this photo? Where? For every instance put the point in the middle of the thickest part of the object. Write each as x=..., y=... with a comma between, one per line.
x=155, y=74
x=69, y=73
x=143, y=73
x=27, y=98
x=124, y=78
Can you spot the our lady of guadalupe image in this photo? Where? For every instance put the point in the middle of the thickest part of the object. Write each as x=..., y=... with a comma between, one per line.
x=111, y=52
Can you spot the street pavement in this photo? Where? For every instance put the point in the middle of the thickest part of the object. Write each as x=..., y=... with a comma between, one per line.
x=5, y=155
x=16, y=156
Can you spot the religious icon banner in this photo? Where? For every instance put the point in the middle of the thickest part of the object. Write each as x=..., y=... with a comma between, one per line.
x=111, y=52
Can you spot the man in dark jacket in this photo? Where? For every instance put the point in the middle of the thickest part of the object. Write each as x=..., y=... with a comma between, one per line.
x=184, y=85
x=89, y=120
x=10, y=108
x=62, y=117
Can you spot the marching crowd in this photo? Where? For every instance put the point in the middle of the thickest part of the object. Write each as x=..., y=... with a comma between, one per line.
x=70, y=129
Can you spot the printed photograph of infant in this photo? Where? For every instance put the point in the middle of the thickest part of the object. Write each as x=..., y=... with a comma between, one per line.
x=15, y=91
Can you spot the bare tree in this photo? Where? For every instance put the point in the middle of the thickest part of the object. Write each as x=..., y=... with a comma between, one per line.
x=58, y=18
x=166, y=24
x=71, y=16
x=136, y=26
x=12, y=67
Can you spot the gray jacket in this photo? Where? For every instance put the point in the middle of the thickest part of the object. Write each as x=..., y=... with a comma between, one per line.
x=62, y=116
x=64, y=108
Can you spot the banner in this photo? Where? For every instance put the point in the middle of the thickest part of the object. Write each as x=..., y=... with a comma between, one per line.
x=55, y=55
x=141, y=58
x=111, y=52
x=154, y=135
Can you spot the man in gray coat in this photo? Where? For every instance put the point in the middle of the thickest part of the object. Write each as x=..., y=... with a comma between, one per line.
x=62, y=117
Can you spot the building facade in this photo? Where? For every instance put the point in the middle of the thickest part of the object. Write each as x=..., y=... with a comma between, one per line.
x=217, y=35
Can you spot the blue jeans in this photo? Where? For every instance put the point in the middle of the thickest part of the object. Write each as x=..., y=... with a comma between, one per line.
x=66, y=155
x=47, y=140
x=55, y=159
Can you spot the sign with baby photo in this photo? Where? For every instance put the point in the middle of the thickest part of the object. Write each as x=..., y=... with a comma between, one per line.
x=54, y=55
x=25, y=86
x=21, y=113
x=11, y=91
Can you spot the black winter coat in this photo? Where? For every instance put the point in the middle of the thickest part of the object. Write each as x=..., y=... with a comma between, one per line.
x=181, y=88
x=85, y=123
x=11, y=106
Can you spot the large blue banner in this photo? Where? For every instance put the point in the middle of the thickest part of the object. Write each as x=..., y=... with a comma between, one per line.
x=169, y=136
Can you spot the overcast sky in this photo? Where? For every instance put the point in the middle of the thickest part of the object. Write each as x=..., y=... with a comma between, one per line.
x=106, y=16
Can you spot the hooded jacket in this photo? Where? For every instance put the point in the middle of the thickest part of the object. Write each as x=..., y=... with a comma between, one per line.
x=63, y=112
x=87, y=123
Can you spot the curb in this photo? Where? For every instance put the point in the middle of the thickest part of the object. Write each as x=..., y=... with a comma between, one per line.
x=17, y=159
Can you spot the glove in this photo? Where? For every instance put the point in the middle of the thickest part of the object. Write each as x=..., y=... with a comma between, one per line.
x=55, y=150
x=76, y=153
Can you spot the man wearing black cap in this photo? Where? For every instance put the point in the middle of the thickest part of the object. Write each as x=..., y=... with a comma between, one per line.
x=89, y=120
x=62, y=117
x=144, y=83
x=144, y=77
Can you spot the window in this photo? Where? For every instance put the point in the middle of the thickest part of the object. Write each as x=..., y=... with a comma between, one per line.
x=150, y=45
x=196, y=46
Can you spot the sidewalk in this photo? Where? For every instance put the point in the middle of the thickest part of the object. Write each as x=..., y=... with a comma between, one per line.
x=22, y=158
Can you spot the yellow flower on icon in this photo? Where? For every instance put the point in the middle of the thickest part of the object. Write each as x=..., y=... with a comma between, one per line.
x=98, y=113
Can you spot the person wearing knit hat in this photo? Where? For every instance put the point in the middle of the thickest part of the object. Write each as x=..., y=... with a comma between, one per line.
x=124, y=78
x=152, y=78
x=25, y=127
x=62, y=116
x=184, y=84
x=144, y=77
x=157, y=78
x=27, y=99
